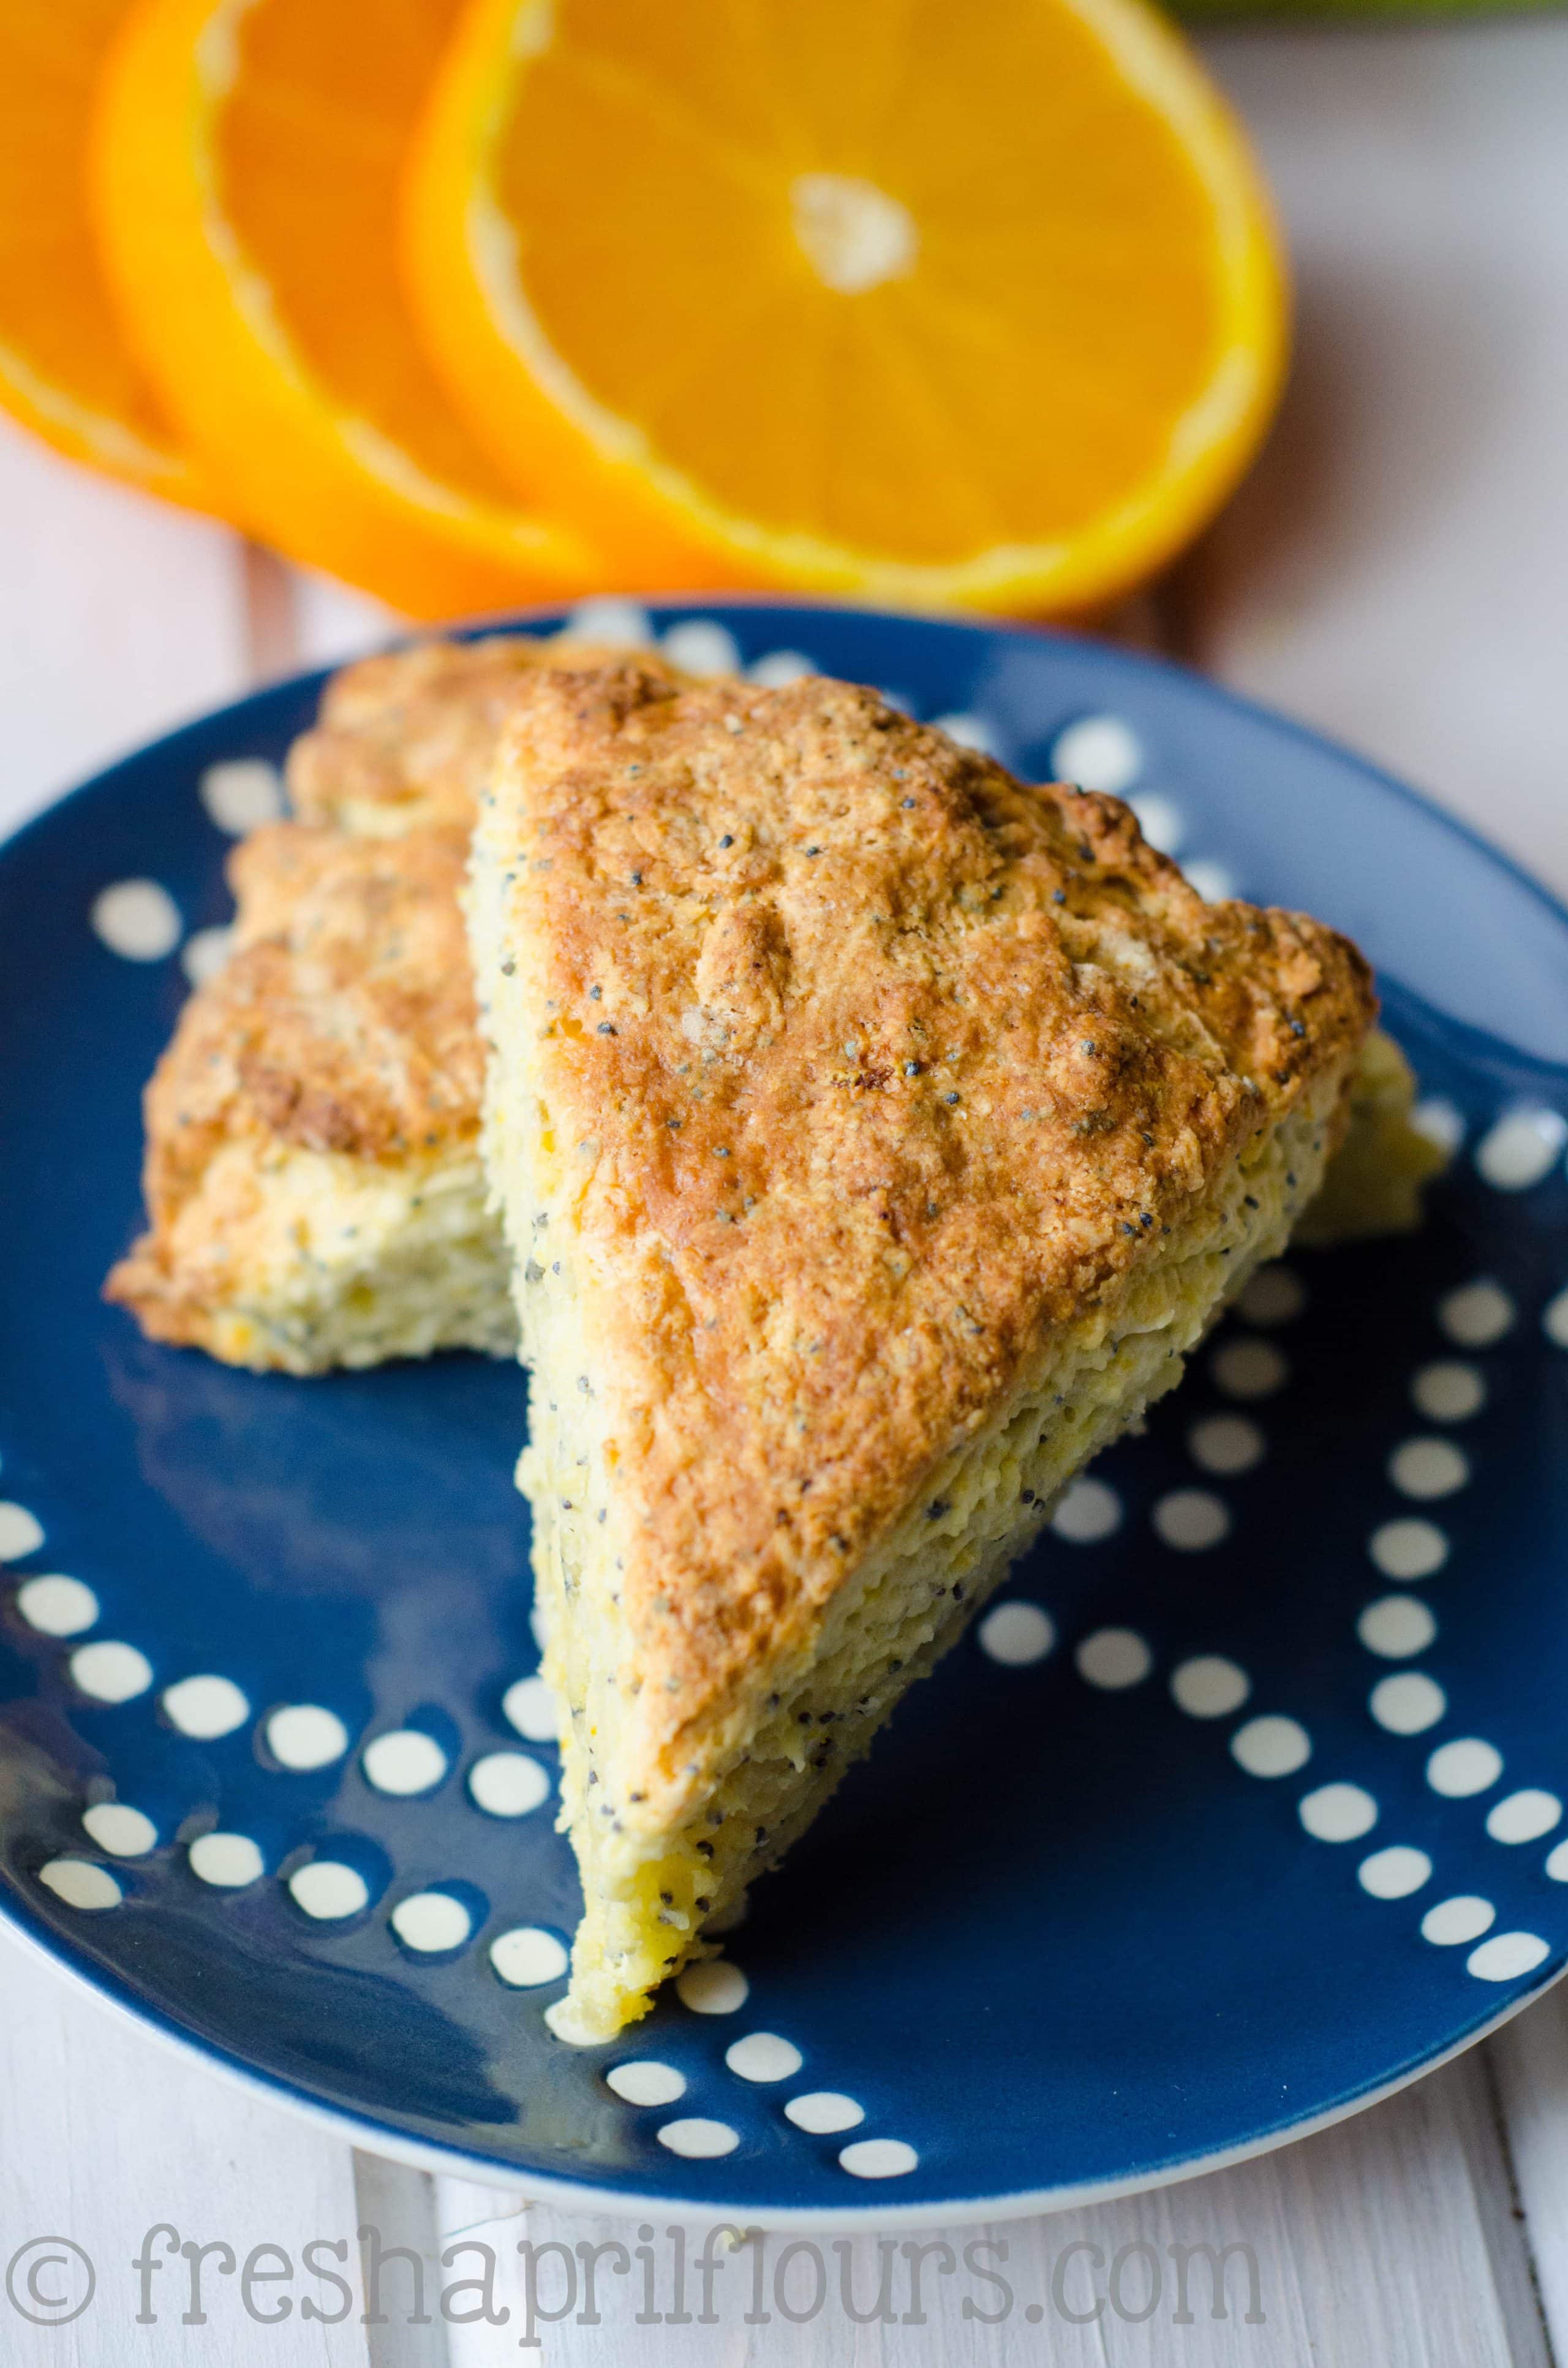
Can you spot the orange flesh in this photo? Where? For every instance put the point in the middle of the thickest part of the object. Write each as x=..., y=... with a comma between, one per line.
x=59, y=335
x=311, y=191
x=923, y=416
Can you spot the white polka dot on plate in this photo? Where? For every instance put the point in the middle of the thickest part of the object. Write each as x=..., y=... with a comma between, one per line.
x=1249, y=1368
x=698, y=2139
x=21, y=1533
x=1428, y=1468
x=1337, y=1812
x=328, y=1891
x=1408, y=1549
x=205, y=1707
x=1554, y=1321
x=1161, y=820
x=403, y=1761
x=701, y=646
x=1394, y=1872
x=1015, y=1634
x=1477, y=1314
x=531, y=1707
x=109, y=1672
x=1275, y=1294
x=713, y=1987
x=507, y=1783
x=1464, y=1766
x=228, y=1862
x=1215, y=882
x=1557, y=1863
x=123, y=1831
x=763, y=2055
x=969, y=731
x=620, y=624
x=80, y=1884
x=1448, y=1392
x=1191, y=1520
x=1452, y=1922
x=1098, y=752
x=527, y=1956
x=823, y=2111
x=645, y=2081
x=1227, y=1444
x=778, y=668
x=242, y=794
x=1506, y=1956
x=1524, y=1816
x=1407, y=1704
x=879, y=2159
x=57, y=1606
x=1271, y=1745
x=137, y=920
x=1087, y=1512
x=1114, y=1658
x=1209, y=1686
x=1441, y=1122
x=304, y=1735
x=1396, y=1626
x=431, y=1921
x=1520, y=1148
x=204, y=953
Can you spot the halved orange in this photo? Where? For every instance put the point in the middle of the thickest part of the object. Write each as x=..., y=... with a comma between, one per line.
x=65, y=371
x=247, y=170
x=941, y=303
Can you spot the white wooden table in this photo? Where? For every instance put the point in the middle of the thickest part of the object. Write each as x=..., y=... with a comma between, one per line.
x=1395, y=572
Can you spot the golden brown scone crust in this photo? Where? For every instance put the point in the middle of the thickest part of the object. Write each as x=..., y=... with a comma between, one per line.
x=870, y=1067
x=407, y=737
x=343, y=1022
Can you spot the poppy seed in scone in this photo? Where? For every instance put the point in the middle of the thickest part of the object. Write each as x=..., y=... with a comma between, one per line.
x=1008, y=1115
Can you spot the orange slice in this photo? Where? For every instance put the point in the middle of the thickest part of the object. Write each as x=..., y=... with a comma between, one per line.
x=976, y=305
x=246, y=168
x=65, y=371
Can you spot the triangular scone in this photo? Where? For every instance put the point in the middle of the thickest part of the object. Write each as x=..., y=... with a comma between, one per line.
x=875, y=1136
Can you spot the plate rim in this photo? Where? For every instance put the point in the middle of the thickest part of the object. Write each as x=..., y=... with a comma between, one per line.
x=446, y=2159
x=25, y=1921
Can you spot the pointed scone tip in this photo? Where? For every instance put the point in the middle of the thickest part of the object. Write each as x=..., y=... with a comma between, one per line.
x=312, y=1177
x=875, y=1136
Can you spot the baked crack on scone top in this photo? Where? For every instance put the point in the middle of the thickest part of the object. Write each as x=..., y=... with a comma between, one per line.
x=875, y=1136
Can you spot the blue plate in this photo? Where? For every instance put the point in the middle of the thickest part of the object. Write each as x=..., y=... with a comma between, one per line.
x=1243, y=1806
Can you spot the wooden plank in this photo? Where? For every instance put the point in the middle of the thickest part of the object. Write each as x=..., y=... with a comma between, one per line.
x=104, y=2135
x=1394, y=570
x=1530, y=2064
x=119, y=616
x=1372, y=2243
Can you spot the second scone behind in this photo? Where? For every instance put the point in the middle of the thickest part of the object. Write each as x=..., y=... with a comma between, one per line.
x=313, y=1183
